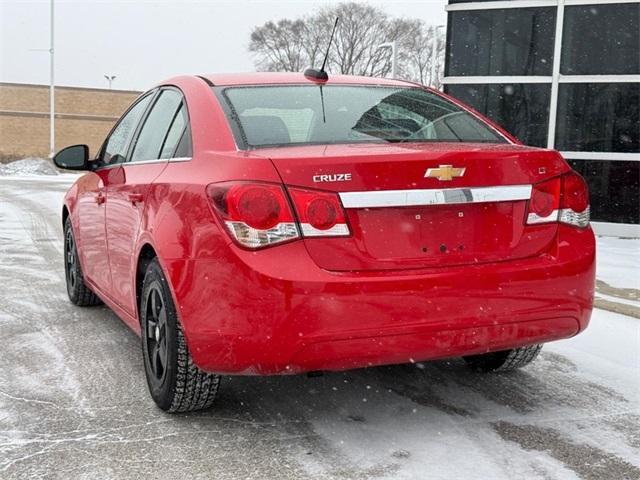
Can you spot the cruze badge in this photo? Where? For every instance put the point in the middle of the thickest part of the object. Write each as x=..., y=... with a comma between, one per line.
x=336, y=177
x=444, y=173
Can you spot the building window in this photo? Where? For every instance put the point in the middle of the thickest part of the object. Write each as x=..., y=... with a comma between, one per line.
x=613, y=188
x=598, y=117
x=522, y=109
x=601, y=39
x=509, y=53
x=513, y=41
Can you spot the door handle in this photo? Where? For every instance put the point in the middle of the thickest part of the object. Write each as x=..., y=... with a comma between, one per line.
x=101, y=198
x=135, y=198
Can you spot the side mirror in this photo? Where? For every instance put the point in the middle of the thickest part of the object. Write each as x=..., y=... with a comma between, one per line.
x=75, y=157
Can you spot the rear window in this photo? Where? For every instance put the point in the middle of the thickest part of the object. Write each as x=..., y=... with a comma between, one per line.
x=263, y=116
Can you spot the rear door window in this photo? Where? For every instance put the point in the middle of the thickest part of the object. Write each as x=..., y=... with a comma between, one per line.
x=184, y=148
x=177, y=130
x=150, y=141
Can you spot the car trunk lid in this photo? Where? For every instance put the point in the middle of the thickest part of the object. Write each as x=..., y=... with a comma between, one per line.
x=412, y=206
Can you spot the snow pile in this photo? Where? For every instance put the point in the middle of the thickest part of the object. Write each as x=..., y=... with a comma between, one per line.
x=28, y=166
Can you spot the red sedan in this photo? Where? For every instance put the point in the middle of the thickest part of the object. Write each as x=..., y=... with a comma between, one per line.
x=264, y=224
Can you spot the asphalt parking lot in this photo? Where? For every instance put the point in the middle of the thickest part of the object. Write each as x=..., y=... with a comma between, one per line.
x=74, y=404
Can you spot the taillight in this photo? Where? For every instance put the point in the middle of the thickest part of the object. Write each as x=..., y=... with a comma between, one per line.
x=320, y=213
x=544, y=202
x=563, y=199
x=574, y=201
x=256, y=214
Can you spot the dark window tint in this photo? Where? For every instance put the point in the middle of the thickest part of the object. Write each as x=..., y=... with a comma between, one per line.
x=523, y=109
x=601, y=39
x=156, y=126
x=289, y=115
x=613, y=188
x=176, y=131
x=184, y=148
x=115, y=150
x=596, y=117
x=513, y=41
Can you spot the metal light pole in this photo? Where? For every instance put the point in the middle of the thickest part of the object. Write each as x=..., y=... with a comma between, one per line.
x=110, y=79
x=52, y=93
x=394, y=56
x=434, y=54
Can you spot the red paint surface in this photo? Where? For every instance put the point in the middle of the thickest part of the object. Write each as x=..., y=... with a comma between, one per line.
x=385, y=294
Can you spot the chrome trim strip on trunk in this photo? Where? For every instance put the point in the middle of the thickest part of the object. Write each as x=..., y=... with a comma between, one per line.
x=435, y=196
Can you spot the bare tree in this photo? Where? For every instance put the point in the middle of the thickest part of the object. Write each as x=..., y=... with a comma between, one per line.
x=361, y=29
x=316, y=40
x=292, y=45
x=279, y=46
x=419, y=56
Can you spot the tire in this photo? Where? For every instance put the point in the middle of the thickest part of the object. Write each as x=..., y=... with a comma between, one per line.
x=505, y=360
x=78, y=292
x=176, y=384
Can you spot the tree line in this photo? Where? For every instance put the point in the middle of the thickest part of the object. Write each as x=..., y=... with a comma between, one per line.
x=291, y=45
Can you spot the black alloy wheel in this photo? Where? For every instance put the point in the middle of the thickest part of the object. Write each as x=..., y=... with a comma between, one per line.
x=79, y=293
x=155, y=317
x=70, y=258
x=176, y=383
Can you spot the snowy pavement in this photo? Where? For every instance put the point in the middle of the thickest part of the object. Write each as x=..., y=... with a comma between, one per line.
x=74, y=404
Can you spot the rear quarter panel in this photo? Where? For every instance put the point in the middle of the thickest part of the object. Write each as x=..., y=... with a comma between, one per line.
x=178, y=221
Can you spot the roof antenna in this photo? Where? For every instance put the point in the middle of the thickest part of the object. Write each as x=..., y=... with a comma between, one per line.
x=324, y=115
x=321, y=74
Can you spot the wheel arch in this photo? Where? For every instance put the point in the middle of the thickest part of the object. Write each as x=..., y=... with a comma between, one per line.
x=65, y=215
x=145, y=256
x=147, y=253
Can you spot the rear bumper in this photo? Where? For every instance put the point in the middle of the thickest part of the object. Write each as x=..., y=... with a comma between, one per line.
x=276, y=312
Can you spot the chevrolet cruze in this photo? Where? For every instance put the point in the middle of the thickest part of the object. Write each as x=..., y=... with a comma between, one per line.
x=261, y=224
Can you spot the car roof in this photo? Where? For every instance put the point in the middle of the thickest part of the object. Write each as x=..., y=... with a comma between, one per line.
x=270, y=78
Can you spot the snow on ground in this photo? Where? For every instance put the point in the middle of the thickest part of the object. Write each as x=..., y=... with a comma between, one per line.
x=73, y=399
x=619, y=262
x=35, y=169
x=28, y=166
x=567, y=401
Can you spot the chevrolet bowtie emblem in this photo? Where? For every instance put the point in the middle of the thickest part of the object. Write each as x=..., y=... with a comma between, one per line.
x=444, y=173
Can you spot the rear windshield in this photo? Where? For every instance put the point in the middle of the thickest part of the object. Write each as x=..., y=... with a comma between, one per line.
x=282, y=115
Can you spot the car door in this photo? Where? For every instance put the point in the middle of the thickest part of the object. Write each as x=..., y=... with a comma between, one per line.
x=155, y=142
x=92, y=197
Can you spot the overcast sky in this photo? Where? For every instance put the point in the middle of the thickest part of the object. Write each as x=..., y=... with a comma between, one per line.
x=143, y=42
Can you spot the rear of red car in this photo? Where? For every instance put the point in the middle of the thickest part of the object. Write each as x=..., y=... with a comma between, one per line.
x=400, y=228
